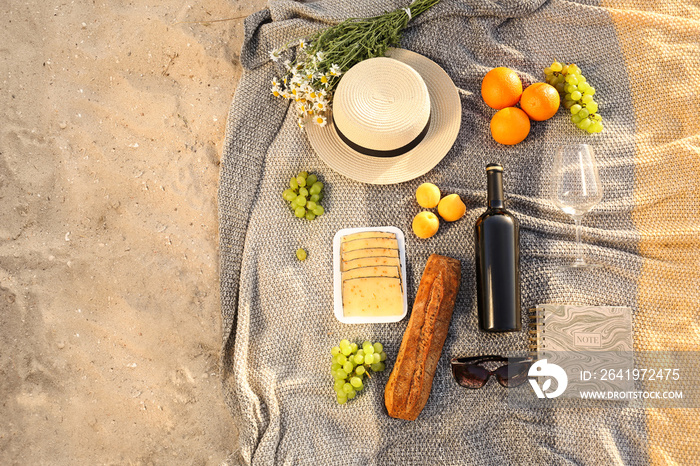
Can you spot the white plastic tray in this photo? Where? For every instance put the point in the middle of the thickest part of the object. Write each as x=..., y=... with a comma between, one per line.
x=338, y=283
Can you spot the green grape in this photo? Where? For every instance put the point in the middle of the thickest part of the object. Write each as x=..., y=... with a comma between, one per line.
x=369, y=350
x=378, y=347
x=596, y=127
x=556, y=67
x=343, y=343
x=569, y=88
x=310, y=205
x=552, y=80
x=303, y=192
x=311, y=179
x=548, y=70
x=348, y=367
x=583, y=87
x=289, y=195
x=341, y=374
x=576, y=118
x=338, y=385
x=303, y=174
x=369, y=359
x=358, y=358
x=335, y=366
x=575, y=109
x=590, y=90
x=300, y=201
x=356, y=382
x=315, y=189
x=318, y=210
x=559, y=87
x=320, y=196
x=377, y=357
x=351, y=395
x=572, y=79
x=341, y=358
x=568, y=103
x=576, y=95
x=597, y=117
x=584, y=113
x=300, y=212
x=382, y=356
x=314, y=198
x=361, y=352
x=586, y=99
x=342, y=399
x=354, y=347
x=378, y=367
x=335, y=350
x=347, y=387
x=293, y=183
x=592, y=107
x=584, y=124
x=310, y=216
x=301, y=181
x=581, y=79
x=346, y=350
x=359, y=370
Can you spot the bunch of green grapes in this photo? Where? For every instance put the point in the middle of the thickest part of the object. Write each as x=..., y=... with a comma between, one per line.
x=578, y=95
x=304, y=195
x=351, y=364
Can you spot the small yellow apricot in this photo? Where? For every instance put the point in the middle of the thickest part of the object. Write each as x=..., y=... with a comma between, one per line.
x=428, y=195
x=425, y=224
x=451, y=208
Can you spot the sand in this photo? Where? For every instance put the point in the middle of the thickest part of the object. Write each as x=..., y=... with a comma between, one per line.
x=113, y=117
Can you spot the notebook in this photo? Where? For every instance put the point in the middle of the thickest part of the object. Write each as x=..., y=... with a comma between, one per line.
x=593, y=344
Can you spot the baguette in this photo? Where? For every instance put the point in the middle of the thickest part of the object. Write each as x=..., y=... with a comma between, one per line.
x=411, y=379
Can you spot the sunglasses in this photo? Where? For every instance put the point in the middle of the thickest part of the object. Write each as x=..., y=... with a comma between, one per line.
x=469, y=373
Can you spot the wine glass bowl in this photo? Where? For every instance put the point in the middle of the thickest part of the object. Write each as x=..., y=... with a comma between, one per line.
x=576, y=188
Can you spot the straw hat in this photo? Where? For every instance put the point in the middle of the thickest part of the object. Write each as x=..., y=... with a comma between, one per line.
x=394, y=118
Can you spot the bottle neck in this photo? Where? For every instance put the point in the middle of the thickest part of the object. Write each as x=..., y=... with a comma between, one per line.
x=494, y=183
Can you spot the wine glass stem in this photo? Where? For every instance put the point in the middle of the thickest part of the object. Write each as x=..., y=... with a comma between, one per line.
x=579, y=251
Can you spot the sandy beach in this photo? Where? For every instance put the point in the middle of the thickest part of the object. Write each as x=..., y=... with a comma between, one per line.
x=113, y=120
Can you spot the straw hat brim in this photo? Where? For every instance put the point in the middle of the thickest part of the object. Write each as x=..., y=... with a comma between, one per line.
x=445, y=120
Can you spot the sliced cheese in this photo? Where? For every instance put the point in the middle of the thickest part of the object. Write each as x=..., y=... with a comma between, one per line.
x=368, y=234
x=372, y=271
x=369, y=262
x=376, y=296
x=370, y=252
x=366, y=243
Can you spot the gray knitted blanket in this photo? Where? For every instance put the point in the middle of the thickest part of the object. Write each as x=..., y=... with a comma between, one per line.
x=278, y=312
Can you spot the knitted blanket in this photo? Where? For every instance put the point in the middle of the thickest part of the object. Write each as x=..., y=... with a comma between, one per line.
x=278, y=312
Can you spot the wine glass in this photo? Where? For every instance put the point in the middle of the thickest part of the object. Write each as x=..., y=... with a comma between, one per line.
x=576, y=188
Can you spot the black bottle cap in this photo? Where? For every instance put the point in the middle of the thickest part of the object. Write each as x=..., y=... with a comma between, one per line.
x=494, y=166
x=494, y=176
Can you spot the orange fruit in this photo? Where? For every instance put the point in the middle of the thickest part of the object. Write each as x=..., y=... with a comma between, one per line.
x=501, y=88
x=510, y=126
x=451, y=208
x=428, y=195
x=425, y=224
x=540, y=101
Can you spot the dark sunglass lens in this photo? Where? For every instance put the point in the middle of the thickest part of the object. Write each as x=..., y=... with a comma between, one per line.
x=470, y=376
x=512, y=375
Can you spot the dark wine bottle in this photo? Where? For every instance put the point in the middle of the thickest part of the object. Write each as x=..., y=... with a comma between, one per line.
x=497, y=260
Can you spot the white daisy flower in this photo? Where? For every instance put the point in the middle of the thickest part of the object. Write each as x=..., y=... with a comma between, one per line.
x=320, y=120
x=287, y=65
x=320, y=56
x=321, y=105
x=276, y=91
x=324, y=78
x=275, y=82
x=335, y=70
x=301, y=122
x=302, y=44
x=275, y=55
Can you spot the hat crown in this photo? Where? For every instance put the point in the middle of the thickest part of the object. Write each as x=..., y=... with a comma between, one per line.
x=381, y=104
